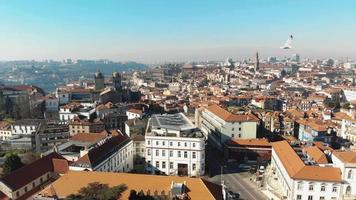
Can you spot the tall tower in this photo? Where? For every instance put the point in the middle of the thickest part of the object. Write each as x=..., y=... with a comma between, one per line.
x=257, y=65
x=99, y=81
x=116, y=80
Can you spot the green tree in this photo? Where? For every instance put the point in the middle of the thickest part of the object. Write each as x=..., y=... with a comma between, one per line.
x=12, y=162
x=98, y=191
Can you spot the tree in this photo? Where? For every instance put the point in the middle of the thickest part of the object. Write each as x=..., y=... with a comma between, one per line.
x=98, y=191
x=12, y=162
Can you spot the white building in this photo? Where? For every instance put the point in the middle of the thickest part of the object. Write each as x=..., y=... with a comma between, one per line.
x=219, y=125
x=114, y=155
x=26, y=126
x=174, y=146
x=134, y=113
x=71, y=110
x=302, y=178
x=5, y=130
x=346, y=161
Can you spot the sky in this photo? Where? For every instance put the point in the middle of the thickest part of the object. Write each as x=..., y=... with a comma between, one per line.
x=154, y=31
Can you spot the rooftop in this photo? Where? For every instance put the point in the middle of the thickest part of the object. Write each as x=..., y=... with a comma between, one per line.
x=296, y=168
x=196, y=188
x=230, y=117
x=172, y=121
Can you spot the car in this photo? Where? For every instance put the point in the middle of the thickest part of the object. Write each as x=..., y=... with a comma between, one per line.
x=233, y=195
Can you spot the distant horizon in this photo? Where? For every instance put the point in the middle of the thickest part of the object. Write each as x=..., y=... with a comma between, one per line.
x=175, y=31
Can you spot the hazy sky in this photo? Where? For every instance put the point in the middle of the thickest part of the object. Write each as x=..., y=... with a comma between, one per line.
x=175, y=30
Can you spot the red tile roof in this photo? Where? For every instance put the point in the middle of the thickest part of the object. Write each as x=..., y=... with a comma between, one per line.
x=98, y=154
x=296, y=168
x=28, y=173
x=230, y=117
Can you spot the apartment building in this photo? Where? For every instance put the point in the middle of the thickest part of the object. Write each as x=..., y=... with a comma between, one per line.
x=219, y=125
x=77, y=125
x=304, y=175
x=174, y=146
x=114, y=155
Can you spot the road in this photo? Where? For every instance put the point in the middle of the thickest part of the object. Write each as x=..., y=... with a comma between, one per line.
x=232, y=178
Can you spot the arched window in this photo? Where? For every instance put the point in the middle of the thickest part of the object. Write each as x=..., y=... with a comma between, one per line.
x=348, y=190
x=349, y=174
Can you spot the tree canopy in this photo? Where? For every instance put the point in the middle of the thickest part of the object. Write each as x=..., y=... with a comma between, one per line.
x=98, y=191
x=12, y=162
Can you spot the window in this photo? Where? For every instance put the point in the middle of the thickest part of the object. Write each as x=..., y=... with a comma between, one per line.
x=33, y=184
x=164, y=165
x=157, y=152
x=311, y=187
x=170, y=165
x=148, y=142
x=322, y=188
x=239, y=135
x=349, y=174
x=232, y=135
x=310, y=197
x=185, y=154
x=322, y=198
x=232, y=129
x=194, y=167
x=163, y=152
x=157, y=143
x=170, y=153
x=179, y=154
x=170, y=143
x=148, y=152
x=41, y=180
x=194, y=155
x=334, y=189
x=163, y=143
x=25, y=189
x=299, y=197
x=157, y=164
x=300, y=186
x=193, y=144
x=17, y=194
x=185, y=144
x=179, y=144
x=239, y=129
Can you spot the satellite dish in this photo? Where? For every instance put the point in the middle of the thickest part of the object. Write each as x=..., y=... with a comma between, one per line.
x=288, y=43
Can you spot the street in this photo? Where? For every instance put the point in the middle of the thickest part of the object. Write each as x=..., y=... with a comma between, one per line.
x=232, y=177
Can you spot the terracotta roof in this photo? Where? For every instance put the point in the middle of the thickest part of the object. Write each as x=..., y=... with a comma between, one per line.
x=134, y=110
x=250, y=142
x=28, y=173
x=89, y=137
x=296, y=168
x=60, y=166
x=230, y=117
x=4, y=125
x=197, y=188
x=98, y=154
x=317, y=155
x=346, y=156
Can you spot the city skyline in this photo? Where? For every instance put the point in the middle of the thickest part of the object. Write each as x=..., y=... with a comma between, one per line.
x=165, y=31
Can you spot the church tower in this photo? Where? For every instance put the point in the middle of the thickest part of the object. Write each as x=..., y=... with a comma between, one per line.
x=257, y=65
x=99, y=81
x=116, y=81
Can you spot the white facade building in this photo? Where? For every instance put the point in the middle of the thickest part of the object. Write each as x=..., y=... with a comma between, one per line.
x=346, y=161
x=26, y=126
x=219, y=125
x=71, y=110
x=174, y=146
x=115, y=155
x=5, y=130
x=300, y=179
x=134, y=113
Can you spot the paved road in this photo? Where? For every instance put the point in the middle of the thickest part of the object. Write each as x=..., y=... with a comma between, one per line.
x=232, y=179
x=237, y=184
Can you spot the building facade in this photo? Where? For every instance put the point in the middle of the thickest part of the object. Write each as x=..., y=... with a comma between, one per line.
x=174, y=146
